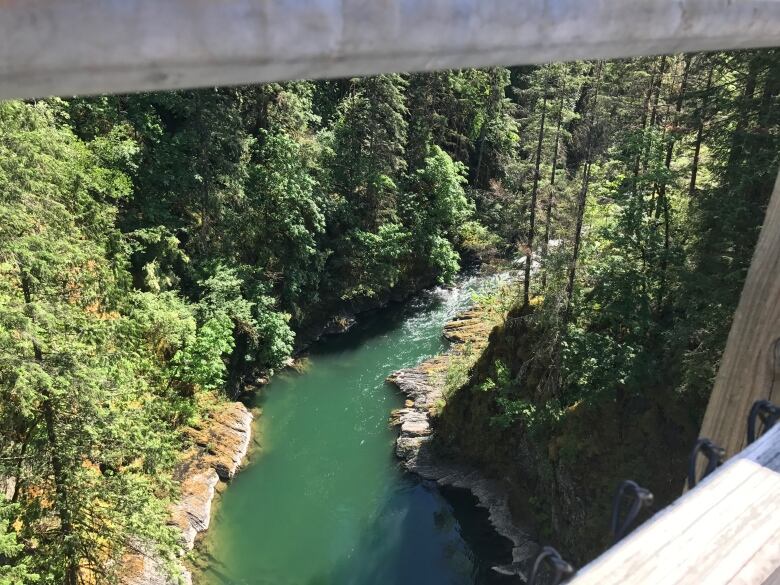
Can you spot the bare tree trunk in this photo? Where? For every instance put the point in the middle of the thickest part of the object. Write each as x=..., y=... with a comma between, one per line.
x=551, y=199
x=534, y=193
x=582, y=201
x=663, y=203
x=700, y=133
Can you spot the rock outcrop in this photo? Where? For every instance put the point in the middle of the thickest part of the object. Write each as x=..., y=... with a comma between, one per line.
x=424, y=387
x=217, y=452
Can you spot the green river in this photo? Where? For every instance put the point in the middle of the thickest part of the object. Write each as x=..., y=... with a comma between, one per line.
x=323, y=501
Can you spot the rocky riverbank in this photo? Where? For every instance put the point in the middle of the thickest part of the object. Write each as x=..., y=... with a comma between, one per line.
x=424, y=386
x=216, y=455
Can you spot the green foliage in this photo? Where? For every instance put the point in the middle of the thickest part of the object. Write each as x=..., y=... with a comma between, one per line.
x=230, y=302
x=274, y=336
x=75, y=397
x=160, y=249
x=477, y=240
x=444, y=260
x=458, y=369
x=280, y=221
x=376, y=266
x=200, y=361
x=434, y=210
x=511, y=409
x=368, y=148
x=514, y=411
x=497, y=303
x=14, y=567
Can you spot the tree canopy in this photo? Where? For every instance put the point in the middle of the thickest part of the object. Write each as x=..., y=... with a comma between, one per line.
x=160, y=251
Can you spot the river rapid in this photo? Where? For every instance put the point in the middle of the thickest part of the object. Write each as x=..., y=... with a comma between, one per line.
x=323, y=501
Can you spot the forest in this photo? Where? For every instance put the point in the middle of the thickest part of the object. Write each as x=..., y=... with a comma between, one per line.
x=160, y=252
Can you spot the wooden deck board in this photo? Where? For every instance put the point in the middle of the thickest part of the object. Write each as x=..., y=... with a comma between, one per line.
x=750, y=367
x=724, y=532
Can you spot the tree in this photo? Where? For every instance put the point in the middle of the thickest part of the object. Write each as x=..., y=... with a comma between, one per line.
x=69, y=391
x=14, y=567
x=534, y=194
x=280, y=220
x=368, y=143
x=433, y=209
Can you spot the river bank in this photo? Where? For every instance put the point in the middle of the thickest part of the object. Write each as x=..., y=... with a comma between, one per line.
x=424, y=387
x=221, y=444
x=217, y=451
x=325, y=501
x=219, y=447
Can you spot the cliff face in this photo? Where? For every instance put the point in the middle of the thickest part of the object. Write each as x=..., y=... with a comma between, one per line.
x=564, y=472
x=424, y=388
x=217, y=452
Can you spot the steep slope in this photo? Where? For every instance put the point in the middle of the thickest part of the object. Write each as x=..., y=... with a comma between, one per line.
x=564, y=472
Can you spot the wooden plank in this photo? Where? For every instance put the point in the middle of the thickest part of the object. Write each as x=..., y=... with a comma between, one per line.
x=750, y=368
x=726, y=531
x=95, y=46
x=774, y=579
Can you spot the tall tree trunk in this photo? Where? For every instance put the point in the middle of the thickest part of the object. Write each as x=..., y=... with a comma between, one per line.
x=582, y=200
x=534, y=193
x=645, y=115
x=555, y=375
x=672, y=139
x=59, y=473
x=737, y=152
x=18, y=479
x=700, y=132
x=645, y=111
x=493, y=106
x=551, y=199
x=663, y=203
x=656, y=97
x=654, y=120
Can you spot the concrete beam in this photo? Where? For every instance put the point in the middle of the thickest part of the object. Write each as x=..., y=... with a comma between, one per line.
x=70, y=47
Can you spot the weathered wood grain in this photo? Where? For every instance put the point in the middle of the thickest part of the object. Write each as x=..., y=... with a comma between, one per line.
x=750, y=368
x=726, y=531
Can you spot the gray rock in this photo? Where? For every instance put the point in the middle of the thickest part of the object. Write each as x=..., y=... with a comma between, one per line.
x=413, y=447
x=220, y=449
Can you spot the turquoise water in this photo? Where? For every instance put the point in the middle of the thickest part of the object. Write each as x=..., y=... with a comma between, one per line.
x=323, y=502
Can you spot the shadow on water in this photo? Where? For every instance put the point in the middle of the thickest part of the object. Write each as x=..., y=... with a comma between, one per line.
x=324, y=502
x=377, y=323
x=455, y=544
x=490, y=548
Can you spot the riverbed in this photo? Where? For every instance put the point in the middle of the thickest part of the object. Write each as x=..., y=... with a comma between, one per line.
x=323, y=501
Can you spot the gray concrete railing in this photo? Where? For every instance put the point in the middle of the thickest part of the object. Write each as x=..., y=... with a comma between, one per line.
x=92, y=46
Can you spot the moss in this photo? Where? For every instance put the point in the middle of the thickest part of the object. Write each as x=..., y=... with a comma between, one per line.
x=562, y=465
